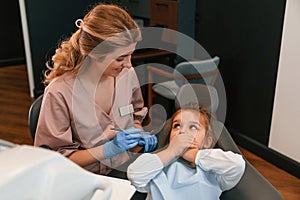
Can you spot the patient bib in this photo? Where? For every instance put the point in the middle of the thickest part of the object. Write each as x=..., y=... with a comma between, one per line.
x=179, y=181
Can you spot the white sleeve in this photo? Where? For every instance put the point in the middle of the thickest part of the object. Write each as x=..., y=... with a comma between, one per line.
x=228, y=166
x=143, y=170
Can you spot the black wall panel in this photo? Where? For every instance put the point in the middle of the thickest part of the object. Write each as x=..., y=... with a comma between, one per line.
x=48, y=23
x=247, y=36
x=11, y=39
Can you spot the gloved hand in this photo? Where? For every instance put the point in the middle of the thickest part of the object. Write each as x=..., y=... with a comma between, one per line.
x=148, y=141
x=122, y=141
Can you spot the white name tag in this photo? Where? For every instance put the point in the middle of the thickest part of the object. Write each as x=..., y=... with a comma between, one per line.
x=126, y=110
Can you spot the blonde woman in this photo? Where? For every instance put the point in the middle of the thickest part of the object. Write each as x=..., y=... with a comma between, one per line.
x=92, y=91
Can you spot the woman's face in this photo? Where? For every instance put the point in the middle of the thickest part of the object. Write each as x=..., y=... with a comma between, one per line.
x=121, y=59
x=189, y=122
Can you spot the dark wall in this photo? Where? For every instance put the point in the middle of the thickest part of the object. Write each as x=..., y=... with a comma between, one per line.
x=11, y=39
x=247, y=37
x=48, y=23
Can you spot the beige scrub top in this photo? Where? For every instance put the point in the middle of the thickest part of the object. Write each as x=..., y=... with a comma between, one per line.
x=70, y=120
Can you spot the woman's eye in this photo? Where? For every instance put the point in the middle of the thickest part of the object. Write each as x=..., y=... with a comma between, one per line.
x=119, y=59
x=122, y=58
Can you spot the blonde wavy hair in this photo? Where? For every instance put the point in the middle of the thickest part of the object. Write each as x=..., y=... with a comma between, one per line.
x=102, y=23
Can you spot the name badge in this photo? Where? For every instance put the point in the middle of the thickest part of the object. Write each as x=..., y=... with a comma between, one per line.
x=126, y=110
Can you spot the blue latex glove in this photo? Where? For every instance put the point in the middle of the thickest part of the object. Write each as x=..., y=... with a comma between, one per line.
x=148, y=141
x=122, y=141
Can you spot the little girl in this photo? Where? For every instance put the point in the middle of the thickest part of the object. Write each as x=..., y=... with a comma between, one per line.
x=188, y=168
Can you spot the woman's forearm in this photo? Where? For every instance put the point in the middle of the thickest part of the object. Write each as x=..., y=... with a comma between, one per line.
x=88, y=156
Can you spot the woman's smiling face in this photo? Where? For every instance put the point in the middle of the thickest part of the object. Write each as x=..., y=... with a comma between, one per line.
x=121, y=59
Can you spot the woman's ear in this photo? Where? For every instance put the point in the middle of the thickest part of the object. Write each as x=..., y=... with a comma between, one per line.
x=208, y=142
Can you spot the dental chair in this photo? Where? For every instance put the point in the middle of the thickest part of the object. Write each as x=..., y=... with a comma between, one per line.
x=252, y=186
x=33, y=115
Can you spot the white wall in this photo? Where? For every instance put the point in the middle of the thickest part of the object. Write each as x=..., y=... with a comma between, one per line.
x=285, y=127
x=27, y=46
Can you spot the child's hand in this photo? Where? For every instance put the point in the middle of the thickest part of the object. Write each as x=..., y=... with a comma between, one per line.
x=180, y=143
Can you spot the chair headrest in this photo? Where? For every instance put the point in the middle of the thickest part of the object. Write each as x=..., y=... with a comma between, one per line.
x=208, y=69
x=202, y=94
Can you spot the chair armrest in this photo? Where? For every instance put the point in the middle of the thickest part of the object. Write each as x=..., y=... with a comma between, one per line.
x=184, y=77
x=156, y=70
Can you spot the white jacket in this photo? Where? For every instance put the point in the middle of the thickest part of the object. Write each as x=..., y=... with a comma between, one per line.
x=216, y=171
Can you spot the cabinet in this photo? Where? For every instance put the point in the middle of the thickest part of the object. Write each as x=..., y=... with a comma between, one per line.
x=164, y=14
x=177, y=15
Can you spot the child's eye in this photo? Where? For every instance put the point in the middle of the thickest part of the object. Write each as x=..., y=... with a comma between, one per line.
x=176, y=126
x=193, y=127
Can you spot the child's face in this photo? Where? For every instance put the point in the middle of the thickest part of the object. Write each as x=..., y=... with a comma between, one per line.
x=189, y=122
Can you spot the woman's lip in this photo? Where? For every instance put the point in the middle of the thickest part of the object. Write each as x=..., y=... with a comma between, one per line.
x=119, y=69
x=193, y=146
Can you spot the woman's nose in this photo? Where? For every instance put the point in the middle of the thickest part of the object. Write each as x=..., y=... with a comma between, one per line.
x=127, y=62
x=127, y=65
